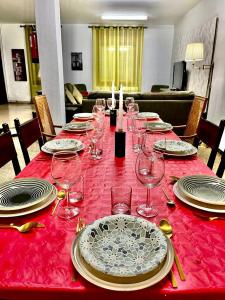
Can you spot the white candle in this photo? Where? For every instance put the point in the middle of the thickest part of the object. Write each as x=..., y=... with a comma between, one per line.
x=113, y=96
x=120, y=117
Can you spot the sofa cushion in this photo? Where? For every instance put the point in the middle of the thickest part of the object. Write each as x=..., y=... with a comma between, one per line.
x=169, y=95
x=78, y=96
x=69, y=96
x=107, y=94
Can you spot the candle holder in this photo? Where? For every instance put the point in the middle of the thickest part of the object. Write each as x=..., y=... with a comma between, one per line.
x=113, y=116
x=120, y=143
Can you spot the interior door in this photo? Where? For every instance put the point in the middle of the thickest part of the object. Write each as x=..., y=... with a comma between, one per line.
x=3, y=95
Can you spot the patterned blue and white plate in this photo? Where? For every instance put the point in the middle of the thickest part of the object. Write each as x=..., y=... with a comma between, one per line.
x=122, y=245
x=23, y=192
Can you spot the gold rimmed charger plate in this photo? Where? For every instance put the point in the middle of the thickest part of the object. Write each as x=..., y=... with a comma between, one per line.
x=120, y=283
x=31, y=209
x=196, y=204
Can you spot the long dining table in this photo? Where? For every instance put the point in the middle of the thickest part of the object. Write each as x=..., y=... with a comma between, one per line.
x=38, y=265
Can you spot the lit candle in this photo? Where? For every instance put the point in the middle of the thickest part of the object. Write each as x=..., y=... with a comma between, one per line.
x=113, y=96
x=120, y=117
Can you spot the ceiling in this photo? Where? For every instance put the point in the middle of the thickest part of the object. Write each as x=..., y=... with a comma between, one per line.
x=160, y=12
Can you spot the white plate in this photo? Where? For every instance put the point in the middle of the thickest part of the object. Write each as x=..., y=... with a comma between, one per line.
x=203, y=188
x=175, y=148
x=115, y=284
x=23, y=192
x=148, y=115
x=46, y=150
x=158, y=126
x=83, y=116
x=123, y=246
x=31, y=209
x=77, y=127
x=197, y=204
x=62, y=144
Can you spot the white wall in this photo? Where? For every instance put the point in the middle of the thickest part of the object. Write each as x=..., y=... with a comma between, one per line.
x=158, y=42
x=13, y=37
x=201, y=13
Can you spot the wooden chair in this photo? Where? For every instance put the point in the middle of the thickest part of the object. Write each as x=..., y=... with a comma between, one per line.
x=28, y=133
x=7, y=149
x=44, y=116
x=189, y=130
x=210, y=134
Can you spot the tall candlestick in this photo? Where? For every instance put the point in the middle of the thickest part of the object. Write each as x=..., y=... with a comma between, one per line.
x=113, y=96
x=120, y=116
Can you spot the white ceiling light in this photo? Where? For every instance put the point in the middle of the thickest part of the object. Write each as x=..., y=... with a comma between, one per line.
x=124, y=17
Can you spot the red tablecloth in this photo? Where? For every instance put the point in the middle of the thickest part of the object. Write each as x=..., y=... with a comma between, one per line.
x=38, y=265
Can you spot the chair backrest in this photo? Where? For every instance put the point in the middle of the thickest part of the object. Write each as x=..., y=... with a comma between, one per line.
x=44, y=115
x=7, y=149
x=28, y=133
x=195, y=113
x=210, y=134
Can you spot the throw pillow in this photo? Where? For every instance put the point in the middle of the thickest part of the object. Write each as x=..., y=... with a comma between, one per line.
x=70, y=97
x=78, y=96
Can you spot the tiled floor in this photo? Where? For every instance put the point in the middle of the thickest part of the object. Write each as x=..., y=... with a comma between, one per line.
x=8, y=112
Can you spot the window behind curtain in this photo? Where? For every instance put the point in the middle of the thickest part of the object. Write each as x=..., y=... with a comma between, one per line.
x=117, y=56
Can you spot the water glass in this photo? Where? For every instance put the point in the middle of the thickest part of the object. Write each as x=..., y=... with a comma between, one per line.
x=121, y=199
x=77, y=191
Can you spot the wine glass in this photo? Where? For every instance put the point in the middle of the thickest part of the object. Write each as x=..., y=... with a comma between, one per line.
x=149, y=171
x=66, y=170
x=132, y=112
x=129, y=100
x=94, y=136
x=100, y=104
x=110, y=103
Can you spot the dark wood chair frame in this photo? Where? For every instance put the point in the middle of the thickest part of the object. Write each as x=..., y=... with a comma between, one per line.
x=211, y=134
x=8, y=150
x=28, y=133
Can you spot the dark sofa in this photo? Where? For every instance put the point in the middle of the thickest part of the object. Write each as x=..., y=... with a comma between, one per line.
x=172, y=106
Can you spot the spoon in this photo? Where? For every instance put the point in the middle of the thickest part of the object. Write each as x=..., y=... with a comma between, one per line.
x=169, y=201
x=23, y=228
x=173, y=179
x=60, y=196
x=167, y=228
x=80, y=225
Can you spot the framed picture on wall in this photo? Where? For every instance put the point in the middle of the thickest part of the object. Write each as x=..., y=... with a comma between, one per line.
x=76, y=61
x=19, y=67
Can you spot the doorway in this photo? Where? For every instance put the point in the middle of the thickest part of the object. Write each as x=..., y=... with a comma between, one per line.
x=3, y=95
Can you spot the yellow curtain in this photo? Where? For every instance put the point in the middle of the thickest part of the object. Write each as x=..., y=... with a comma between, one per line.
x=35, y=81
x=117, y=56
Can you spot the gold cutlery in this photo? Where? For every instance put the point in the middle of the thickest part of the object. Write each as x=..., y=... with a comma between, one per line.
x=80, y=225
x=173, y=179
x=173, y=280
x=60, y=196
x=169, y=201
x=166, y=227
x=209, y=218
x=25, y=227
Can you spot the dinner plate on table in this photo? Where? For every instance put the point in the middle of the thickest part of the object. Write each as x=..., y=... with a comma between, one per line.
x=77, y=127
x=203, y=188
x=22, y=193
x=196, y=204
x=76, y=146
x=175, y=148
x=159, y=126
x=122, y=282
x=83, y=116
x=148, y=115
x=31, y=209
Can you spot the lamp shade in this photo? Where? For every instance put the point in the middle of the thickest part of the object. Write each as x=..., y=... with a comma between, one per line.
x=194, y=52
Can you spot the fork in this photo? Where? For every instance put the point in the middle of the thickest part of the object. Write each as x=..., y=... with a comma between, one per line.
x=80, y=225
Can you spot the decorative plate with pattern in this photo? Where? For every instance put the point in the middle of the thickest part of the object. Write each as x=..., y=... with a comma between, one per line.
x=122, y=245
x=84, y=116
x=173, y=146
x=148, y=115
x=77, y=126
x=207, y=189
x=23, y=192
x=158, y=126
x=62, y=144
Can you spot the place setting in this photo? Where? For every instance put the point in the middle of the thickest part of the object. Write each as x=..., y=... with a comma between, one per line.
x=62, y=145
x=175, y=148
x=23, y=196
x=202, y=192
x=77, y=127
x=83, y=116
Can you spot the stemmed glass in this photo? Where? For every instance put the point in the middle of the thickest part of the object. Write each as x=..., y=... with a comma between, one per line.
x=110, y=103
x=94, y=136
x=100, y=104
x=132, y=112
x=149, y=171
x=66, y=170
x=128, y=100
